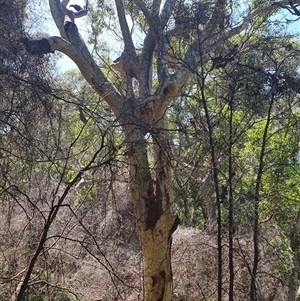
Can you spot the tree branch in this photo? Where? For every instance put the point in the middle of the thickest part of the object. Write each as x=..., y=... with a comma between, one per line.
x=146, y=13
x=145, y=62
x=127, y=64
x=58, y=11
x=156, y=7
x=129, y=46
x=170, y=85
x=166, y=12
x=78, y=52
x=197, y=54
x=292, y=9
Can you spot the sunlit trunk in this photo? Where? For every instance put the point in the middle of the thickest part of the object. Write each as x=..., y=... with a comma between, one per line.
x=157, y=262
x=152, y=199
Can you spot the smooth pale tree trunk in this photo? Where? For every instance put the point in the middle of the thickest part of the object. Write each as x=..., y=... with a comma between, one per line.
x=157, y=269
x=151, y=195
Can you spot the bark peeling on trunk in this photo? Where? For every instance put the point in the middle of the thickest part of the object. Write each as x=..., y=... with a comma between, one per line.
x=151, y=195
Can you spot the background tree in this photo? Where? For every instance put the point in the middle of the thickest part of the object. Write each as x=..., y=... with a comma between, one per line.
x=237, y=96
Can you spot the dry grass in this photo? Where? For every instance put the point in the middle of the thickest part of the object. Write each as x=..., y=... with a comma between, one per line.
x=95, y=255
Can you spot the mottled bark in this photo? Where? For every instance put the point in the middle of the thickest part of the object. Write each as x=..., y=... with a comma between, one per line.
x=151, y=195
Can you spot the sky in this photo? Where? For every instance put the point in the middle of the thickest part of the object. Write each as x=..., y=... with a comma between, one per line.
x=65, y=63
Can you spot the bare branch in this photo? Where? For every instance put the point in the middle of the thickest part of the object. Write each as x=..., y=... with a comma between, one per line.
x=166, y=12
x=127, y=64
x=58, y=11
x=129, y=46
x=146, y=63
x=292, y=9
x=62, y=288
x=89, y=69
x=156, y=7
x=81, y=13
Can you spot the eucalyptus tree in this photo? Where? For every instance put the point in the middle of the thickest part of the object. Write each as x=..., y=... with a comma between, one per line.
x=178, y=38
